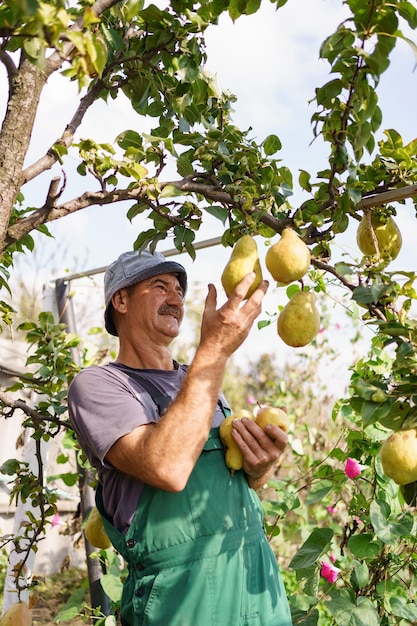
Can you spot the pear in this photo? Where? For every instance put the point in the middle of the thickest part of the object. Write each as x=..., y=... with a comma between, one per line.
x=272, y=415
x=387, y=234
x=243, y=260
x=288, y=259
x=19, y=614
x=299, y=321
x=233, y=454
x=399, y=456
x=94, y=530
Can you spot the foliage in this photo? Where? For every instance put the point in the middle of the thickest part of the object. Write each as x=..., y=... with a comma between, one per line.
x=51, y=370
x=155, y=57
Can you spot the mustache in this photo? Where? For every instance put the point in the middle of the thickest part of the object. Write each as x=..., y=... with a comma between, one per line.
x=168, y=309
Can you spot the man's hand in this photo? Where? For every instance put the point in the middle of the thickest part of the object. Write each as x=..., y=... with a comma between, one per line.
x=226, y=328
x=261, y=449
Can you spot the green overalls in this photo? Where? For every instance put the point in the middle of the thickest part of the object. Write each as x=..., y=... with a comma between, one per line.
x=200, y=557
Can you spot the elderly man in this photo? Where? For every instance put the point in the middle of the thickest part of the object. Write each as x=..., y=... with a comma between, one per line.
x=191, y=533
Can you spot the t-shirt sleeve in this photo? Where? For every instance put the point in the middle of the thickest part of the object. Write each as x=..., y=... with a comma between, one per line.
x=103, y=407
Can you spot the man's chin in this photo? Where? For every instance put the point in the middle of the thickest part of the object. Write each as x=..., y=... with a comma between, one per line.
x=173, y=327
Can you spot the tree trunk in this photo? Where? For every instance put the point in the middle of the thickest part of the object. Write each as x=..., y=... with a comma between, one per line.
x=26, y=87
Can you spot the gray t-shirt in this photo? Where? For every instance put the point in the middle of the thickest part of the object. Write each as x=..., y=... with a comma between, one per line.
x=107, y=402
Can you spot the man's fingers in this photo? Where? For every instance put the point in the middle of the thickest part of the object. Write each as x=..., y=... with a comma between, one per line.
x=240, y=291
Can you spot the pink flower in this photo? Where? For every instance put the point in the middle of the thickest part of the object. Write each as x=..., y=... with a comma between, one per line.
x=331, y=509
x=251, y=400
x=332, y=558
x=55, y=519
x=352, y=468
x=329, y=572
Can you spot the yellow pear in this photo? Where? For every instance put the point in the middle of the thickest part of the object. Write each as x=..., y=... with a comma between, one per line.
x=19, y=614
x=288, y=259
x=299, y=321
x=272, y=415
x=243, y=260
x=233, y=454
x=399, y=456
x=94, y=530
x=387, y=234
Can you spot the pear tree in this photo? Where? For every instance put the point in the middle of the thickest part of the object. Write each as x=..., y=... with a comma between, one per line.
x=361, y=563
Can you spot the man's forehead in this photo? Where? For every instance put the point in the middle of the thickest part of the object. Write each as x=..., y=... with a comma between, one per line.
x=166, y=278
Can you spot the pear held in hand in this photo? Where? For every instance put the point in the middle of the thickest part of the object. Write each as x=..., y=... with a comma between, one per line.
x=299, y=321
x=272, y=415
x=399, y=456
x=243, y=260
x=233, y=455
x=288, y=259
x=387, y=234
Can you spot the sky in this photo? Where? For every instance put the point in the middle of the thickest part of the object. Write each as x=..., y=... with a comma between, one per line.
x=269, y=60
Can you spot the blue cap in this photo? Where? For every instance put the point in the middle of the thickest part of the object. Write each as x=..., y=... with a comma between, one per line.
x=131, y=268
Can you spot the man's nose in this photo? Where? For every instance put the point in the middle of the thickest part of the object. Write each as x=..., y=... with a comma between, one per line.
x=175, y=297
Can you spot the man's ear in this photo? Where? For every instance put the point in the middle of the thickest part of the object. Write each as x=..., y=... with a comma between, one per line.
x=119, y=300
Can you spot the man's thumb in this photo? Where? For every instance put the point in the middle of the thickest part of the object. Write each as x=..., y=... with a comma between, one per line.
x=211, y=299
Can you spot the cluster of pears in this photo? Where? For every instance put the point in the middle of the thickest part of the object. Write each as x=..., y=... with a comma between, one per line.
x=19, y=614
x=287, y=260
x=95, y=532
x=266, y=415
x=399, y=456
x=378, y=236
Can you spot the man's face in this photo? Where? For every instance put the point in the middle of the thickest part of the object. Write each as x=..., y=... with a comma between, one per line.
x=156, y=305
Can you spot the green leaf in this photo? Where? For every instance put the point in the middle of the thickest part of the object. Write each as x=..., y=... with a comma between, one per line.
x=72, y=608
x=184, y=165
x=236, y=8
x=387, y=529
x=183, y=237
x=350, y=611
x=10, y=467
x=401, y=608
x=69, y=478
x=136, y=209
x=326, y=94
x=112, y=586
x=252, y=6
x=306, y=618
x=219, y=212
x=319, y=491
x=373, y=412
x=363, y=546
x=304, y=180
x=361, y=574
x=312, y=548
x=170, y=191
x=272, y=144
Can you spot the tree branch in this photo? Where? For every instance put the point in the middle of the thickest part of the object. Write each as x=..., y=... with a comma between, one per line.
x=10, y=66
x=7, y=401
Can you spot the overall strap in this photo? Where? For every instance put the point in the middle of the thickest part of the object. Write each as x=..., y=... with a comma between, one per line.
x=163, y=401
